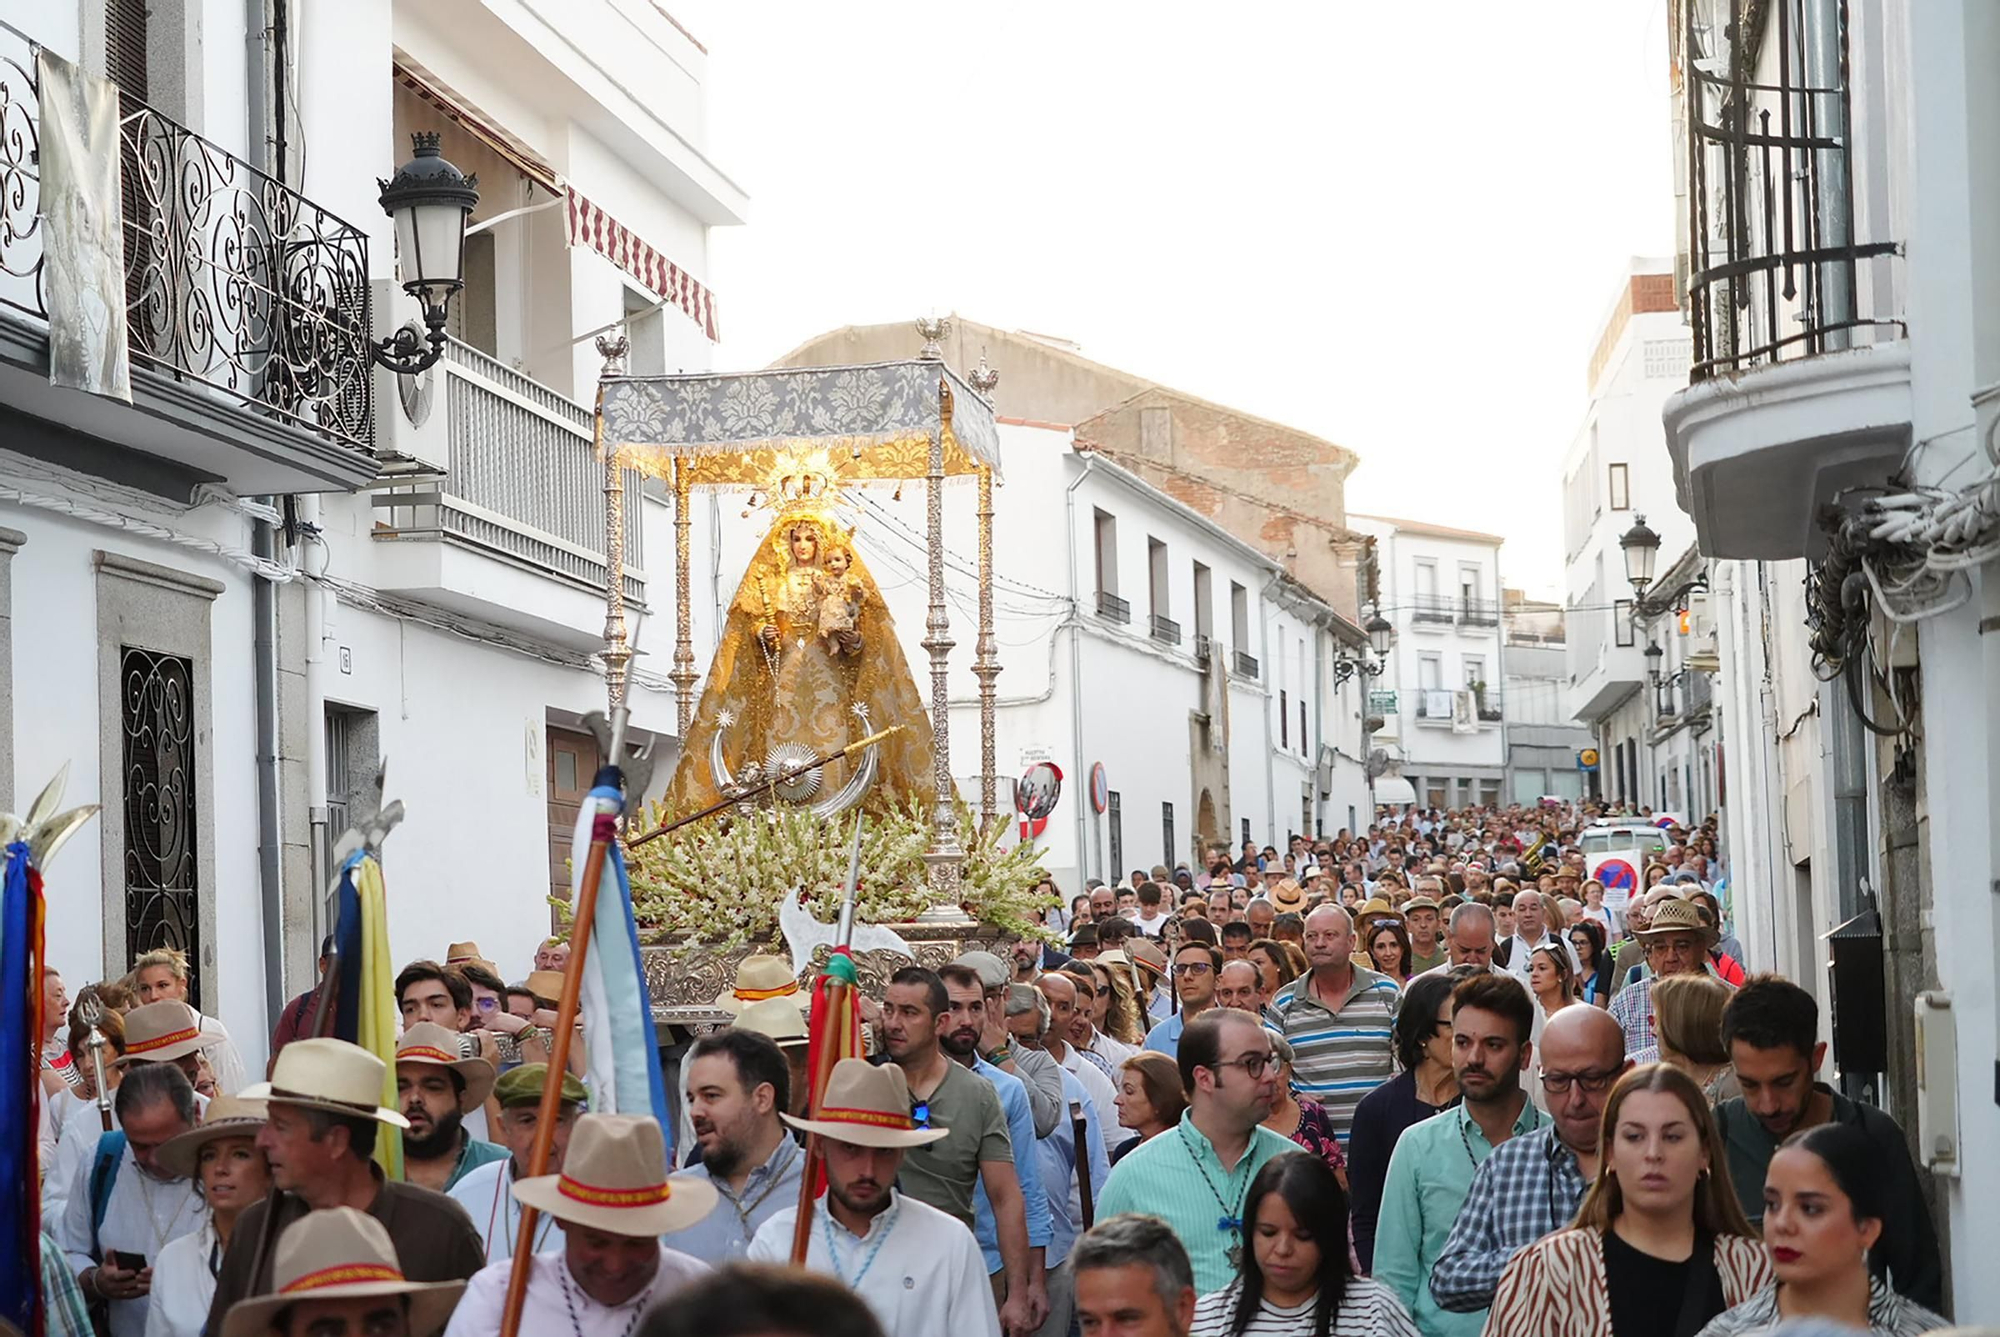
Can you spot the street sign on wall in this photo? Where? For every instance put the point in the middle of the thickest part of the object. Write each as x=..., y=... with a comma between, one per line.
x=1382, y=703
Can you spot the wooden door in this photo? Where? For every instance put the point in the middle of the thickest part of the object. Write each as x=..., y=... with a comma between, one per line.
x=573, y=761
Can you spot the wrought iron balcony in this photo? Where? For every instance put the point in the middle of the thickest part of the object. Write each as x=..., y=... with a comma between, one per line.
x=1478, y=613
x=1166, y=630
x=523, y=484
x=1434, y=705
x=1112, y=608
x=1246, y=665
x=239, y=293
x=1435, y=608
x=1775, y=272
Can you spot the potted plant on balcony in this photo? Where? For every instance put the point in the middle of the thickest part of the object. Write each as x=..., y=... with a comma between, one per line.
x=1488, y=713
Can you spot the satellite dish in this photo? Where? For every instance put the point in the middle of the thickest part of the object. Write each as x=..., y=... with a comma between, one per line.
x=1039, y=788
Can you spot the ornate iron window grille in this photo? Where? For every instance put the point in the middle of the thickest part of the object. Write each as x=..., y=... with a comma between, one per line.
x=162, y=878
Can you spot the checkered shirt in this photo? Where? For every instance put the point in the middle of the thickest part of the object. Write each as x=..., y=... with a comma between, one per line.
x=1529, y=1187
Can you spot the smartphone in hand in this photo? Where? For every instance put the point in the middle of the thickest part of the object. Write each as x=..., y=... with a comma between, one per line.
x=128, y=1262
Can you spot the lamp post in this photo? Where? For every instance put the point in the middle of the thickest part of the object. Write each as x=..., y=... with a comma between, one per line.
x=1381, y=634
x=430, y=200
x=1642, y=550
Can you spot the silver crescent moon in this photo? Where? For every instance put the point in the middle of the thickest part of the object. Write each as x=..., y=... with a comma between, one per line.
x=858, y=784
x=718, y=765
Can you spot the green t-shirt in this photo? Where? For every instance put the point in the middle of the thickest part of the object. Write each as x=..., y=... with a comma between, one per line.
x=944, y=1173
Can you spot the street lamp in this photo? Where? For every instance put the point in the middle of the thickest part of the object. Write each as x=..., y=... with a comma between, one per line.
x=1654, y=654
x=1642, y=550
x=1381, y=635
x=429, y=199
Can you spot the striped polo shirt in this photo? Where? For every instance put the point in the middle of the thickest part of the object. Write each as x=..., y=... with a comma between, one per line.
x=1341, y=1053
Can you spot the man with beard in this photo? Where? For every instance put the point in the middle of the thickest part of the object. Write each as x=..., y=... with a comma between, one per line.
x=1103, y=903
x=738, y=1088
x=1532, y=1186
x=437, y=1089
x=917, y=1268
x=1432, y=1168
x=976, y=1156
x=487, y=1193
x=1231, y=1076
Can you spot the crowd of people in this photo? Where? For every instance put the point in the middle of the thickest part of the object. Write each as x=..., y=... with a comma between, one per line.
x=1422, y=1079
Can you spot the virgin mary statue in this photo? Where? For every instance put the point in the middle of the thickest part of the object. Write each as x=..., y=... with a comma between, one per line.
x=808, y=661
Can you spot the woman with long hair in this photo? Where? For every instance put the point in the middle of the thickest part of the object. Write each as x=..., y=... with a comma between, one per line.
x=1823, y=1211
x=1659, y=1246
x=1389, y=949
x=1296, y=1279
x=1551, y=982
x=1121, y=1007
x=1274, y=965
x=1687, y=1021
x=1423, y=1085
x=1301, y=1118
x=1150, y=1098
x=1594, y=982
x=220, y=1154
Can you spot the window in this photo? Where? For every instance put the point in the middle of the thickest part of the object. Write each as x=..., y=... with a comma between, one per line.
x=1284, y=720
x=645, y=326
x=1167, y=832
x=1246, y=831
x=473, y=318
x=1475, y=669
x=1239, y=615
x=1156, y=577
x=1107, y=553
x=1427, y=579
x=1668, y=357
x=1204, y=612
x=1430, y=671
x=1114, y=809
x=1302, y=728
x=1621, y=622
x=1620, y=485
x=353, y=758
x=162, y=822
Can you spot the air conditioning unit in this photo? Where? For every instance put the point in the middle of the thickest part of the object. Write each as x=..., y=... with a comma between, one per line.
x=411, y=437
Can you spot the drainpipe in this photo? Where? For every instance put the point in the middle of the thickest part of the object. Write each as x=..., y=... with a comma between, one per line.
x=1820, y=40
x=1082, y=770
x=1270, y=666
x=1321, y=634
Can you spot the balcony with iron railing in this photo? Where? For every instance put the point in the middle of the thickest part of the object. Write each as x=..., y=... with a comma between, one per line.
x=522, y=487
x=1165, y=630
x=245, y=305
x=1245, y=665
x=1440, y=706
x=1800, y=381
x=1113, y=609
x=1478, y=613
x=1437, y=610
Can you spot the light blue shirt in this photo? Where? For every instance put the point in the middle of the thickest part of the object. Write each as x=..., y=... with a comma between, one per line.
x=1165, y=1038
x=1021, y=1134
x=724, y=1235
x=1056, y=1155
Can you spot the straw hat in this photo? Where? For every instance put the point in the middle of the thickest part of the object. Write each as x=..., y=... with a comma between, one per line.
x=1672, y=915
x=226, y=1116
x=1144, y=952
x=1375, y=910
x=866, y=1106
x=614, y=1178
x=468, y=954
x=545, y=984
x=338, y=1253
x=161, y=1032
x=433, y=1046
x=332, y=1075
x=759, y=978
x=775, y=1017
x=1288, y=897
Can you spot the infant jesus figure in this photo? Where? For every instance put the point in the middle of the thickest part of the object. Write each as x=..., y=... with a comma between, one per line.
x=838, y=596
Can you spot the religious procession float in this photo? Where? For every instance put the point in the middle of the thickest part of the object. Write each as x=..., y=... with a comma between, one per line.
x=810, y=764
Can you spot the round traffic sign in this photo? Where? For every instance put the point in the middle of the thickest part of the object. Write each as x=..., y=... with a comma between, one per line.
x=1100, y=788
x=1587, y=758
x=1617, y=875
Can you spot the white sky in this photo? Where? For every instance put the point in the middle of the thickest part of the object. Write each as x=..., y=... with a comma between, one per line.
x=1397, y=226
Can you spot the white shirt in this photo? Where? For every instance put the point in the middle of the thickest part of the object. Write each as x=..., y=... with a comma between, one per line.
x=927, y=1278
x=183, y=1286
x=487, y=1194
x=548, y=1307
x=230, y=1074
x=143, y=1216
x=76, y=1146
x=1102, y=1094
x=1151, y=928
x=1518, y=955
x=1368, y=1309
x=1114, y=1052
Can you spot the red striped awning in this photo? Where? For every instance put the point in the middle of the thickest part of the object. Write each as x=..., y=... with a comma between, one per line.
x=591, y=226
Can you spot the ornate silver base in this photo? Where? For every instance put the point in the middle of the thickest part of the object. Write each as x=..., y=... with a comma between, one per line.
x=685, y=980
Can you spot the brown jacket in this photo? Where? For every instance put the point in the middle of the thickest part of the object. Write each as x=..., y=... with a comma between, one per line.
x=434, y=1239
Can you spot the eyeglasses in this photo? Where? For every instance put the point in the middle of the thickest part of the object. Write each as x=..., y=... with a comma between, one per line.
x=1192, y=967
x=1558, y=1083
x=1253, y=1065
x=920, y=1113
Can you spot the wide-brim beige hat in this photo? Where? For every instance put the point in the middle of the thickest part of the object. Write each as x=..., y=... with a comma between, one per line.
x=338, y=1253
x=759, y=978
x=331, y=1075
x=776, y=1018
x=162, y=1032
x=868, y=1106
x=431, y=1044
x=1676, y=916
x=614, y=1179
x=468, y=954
x=226, y=1116
x=1287, y=897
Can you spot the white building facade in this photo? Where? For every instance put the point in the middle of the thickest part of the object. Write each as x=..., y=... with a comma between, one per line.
x=1614, y=473
x=1864, y=714
x=1440, y=590
x=229, y=601
x=1545, y=747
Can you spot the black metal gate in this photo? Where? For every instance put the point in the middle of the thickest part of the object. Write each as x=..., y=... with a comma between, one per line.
x=162, y=885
